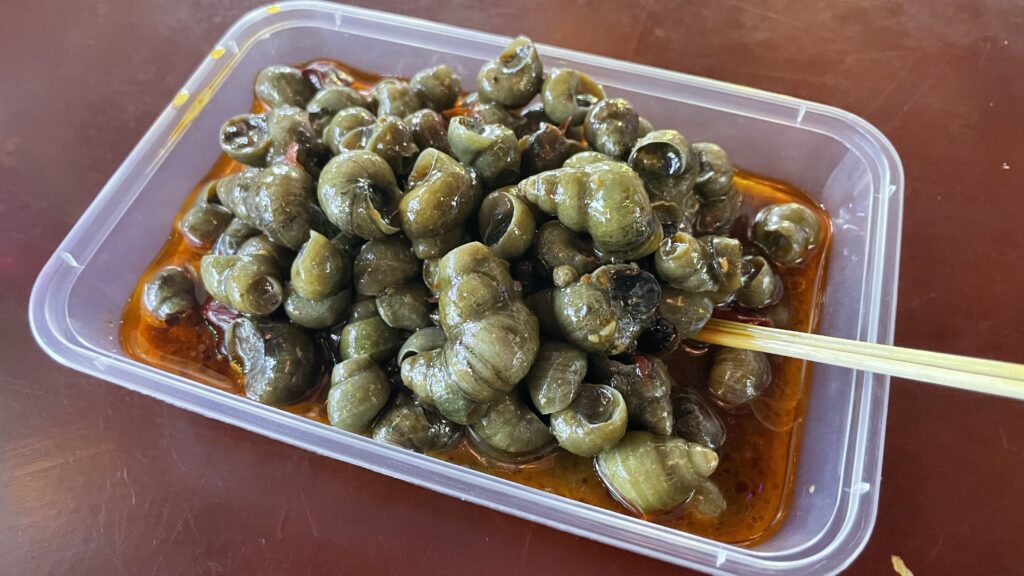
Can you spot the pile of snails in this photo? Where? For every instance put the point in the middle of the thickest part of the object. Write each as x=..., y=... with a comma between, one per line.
x=506, y=266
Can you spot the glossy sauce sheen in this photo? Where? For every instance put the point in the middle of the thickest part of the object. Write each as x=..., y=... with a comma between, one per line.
x=758, y=459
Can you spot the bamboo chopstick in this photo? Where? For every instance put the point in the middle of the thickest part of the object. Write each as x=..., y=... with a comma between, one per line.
x=965, y=373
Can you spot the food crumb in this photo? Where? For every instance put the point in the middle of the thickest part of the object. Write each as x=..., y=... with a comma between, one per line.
x=1006, y=166
x=810, y=489
x=900, y=567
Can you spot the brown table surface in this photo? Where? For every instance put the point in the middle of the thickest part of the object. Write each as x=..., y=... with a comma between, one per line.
x=98, y=480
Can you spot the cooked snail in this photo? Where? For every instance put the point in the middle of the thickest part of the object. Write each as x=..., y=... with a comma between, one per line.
x=359, y=391
x=514, y=77
x=556, y=376
x=606, y=310
x=594, y=421
x=738, y=376
x=280, y=361
x=646, y=387
x=605, y=199
x=654, y=474
x=786, y=232
x=415, y=427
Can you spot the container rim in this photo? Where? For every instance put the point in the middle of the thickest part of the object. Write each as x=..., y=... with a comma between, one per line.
x=50, y=293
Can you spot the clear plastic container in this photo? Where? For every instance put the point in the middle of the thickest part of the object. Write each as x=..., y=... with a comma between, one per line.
x=836, y=157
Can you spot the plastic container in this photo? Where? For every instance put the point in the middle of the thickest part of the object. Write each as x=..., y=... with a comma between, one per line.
x=836, y=157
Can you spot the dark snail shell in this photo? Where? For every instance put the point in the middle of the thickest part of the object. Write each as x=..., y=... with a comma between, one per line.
x=606, y=310
x=317, y=314
x=388, y=137
x=405, y=306
x=761, y=286
x=531, y=119
x=425, y=374
x=205, y=220
x=490, y=149
x=274, y=200
x=233, y=237
x=395, y=98
x=695, y=419
x=429, y=130
x=714, y=177
x=413, y=426
x=169, y=294
x=683, y=262
x=688, y=312
x=726, y=257
x=330, y=100
x=546, y=148
x=786, y=232
x=280, y=135
x=514, y=77
x=440, y=199
x=382, y=263
x=341, y=123
x=569, y=95
x=717, y=216
x=437, y=88
x=248, y=283
x=279, y=86
x=646, y=386
x=359, y=194
x=491, y=113
x=280, y=361
x=262, y=245
x=560, y=248
x=611, y=127
x=669, y=168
